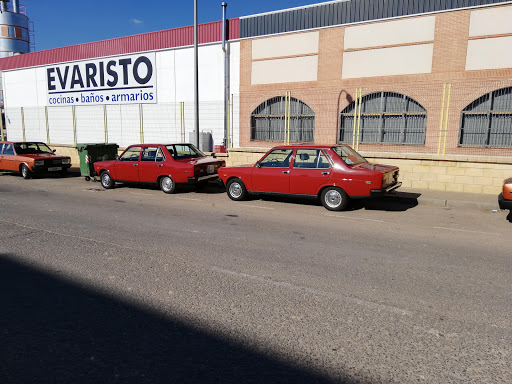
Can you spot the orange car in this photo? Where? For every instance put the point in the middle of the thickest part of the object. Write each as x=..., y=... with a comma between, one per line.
x=29, y=158
x=505, y=198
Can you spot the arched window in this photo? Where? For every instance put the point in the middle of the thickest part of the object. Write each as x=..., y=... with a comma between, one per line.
x=487, y=121
x=386, y=118
x=268, y=121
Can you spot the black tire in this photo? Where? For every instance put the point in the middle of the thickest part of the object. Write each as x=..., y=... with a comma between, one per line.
x=334, y=199
x=236, y=190
x=106, y=180
x=167, y=184
x=26, y=173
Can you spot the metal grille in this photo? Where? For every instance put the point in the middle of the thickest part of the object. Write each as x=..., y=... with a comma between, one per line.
x=268, y=121
x=384, y=118
x=345, y=12
x=487, y=121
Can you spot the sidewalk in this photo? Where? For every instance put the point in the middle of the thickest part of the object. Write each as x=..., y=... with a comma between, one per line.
x=450, y=199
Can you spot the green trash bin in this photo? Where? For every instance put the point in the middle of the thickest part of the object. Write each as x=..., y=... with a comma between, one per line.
x=91, y=153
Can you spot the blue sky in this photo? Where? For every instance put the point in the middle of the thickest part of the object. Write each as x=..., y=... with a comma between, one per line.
x=58, y=23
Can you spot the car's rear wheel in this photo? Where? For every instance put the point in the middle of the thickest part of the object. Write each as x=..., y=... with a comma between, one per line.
x=25, y=172
x=106, y=180
x=167, y=184
x=334, y=199
x=236, y=190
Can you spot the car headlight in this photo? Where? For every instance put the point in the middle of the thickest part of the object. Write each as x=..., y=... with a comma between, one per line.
x=39, y=162
x=66, y=161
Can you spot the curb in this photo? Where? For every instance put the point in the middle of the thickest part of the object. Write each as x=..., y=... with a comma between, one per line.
x=458, y=203
x=449, y=202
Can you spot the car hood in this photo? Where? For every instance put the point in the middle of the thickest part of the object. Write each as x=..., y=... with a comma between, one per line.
x=39, y=156
x=375, y=167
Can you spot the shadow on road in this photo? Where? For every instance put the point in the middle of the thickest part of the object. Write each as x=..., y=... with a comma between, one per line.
x=509, y=216
x=56, y=331
x=397, y=202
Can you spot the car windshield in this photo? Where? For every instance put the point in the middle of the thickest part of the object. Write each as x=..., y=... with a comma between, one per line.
x=31, y=148
x=348, y=155
x=184, y=151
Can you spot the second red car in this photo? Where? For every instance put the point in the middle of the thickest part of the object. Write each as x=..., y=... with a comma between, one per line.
x=336, y=174
x=162, y=164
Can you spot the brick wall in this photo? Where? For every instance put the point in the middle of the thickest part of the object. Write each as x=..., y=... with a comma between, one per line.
x=330, y=93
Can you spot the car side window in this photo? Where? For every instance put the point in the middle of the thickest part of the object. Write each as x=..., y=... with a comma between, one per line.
x=311, y=159
x=160, y=155
x=131, y=154
x=279, y=158
x=149, y=154
x=8, y=149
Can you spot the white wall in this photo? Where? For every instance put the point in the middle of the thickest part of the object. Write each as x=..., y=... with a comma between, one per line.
x=388, y=61
x=490, y=53
x=493, y=21
x=27, y=88
x=406, y=31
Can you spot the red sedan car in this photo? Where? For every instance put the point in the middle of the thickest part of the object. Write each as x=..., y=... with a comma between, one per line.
x=162, y=164
x=31, y=157
x=336, y=174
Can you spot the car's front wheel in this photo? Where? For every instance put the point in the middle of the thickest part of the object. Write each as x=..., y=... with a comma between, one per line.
x=25, y=171
x=334, y=199
x=236, y=190
x=167, y=184
x=106, y=180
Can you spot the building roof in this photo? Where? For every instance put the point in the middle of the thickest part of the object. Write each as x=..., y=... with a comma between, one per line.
x=343, y=12
x=169, y=38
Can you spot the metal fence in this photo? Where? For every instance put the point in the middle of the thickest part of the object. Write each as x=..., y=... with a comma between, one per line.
x=122, y=124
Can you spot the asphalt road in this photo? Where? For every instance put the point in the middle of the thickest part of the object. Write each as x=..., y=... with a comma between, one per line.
x=134, y=286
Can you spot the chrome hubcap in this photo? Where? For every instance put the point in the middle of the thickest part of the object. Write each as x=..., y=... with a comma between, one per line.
x=333, y=198
x=167, y=183
x=105, y=179
x=235, y=190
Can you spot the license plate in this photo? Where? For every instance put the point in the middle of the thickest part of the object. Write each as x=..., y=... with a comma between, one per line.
x=53, y=169
x=210, y=169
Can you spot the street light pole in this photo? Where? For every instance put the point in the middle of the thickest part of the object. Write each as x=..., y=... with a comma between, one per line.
x=196, y=79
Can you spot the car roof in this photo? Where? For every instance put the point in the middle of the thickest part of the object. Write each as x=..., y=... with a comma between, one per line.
x=313, y=146
x=156, y=145
x=22, y=142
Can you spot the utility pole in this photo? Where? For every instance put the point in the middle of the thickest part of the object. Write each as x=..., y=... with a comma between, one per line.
x=196, y=79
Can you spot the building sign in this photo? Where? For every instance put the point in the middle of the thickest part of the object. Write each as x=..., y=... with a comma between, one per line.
x=121, y=80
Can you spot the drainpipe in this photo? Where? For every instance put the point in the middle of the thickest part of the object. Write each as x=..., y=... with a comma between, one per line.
x=225, y=49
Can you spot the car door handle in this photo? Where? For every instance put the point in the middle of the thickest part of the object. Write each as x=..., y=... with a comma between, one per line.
x=286, y=171
x=160, y=165
x=135, y=165
x=325, y=173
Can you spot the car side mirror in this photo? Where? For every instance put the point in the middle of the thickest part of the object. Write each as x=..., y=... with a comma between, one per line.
x=54, y=151
x=117, y=157
x=258, y=164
